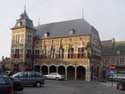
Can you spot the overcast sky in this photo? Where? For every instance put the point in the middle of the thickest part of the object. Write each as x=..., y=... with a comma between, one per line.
x=107, y=16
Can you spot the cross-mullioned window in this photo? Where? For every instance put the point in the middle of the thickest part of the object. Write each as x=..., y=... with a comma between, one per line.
x=70, y=52
x=80, y=52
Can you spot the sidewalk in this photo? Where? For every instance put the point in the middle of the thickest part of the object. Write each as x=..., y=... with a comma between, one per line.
x=109, y=84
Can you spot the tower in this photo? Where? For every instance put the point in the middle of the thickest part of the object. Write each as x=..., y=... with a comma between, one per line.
x=22, y=40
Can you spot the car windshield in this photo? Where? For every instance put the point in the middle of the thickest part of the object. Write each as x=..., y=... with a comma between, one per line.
x=4, y=80
x=37, y=74
x=20, y=74
x=54, y=73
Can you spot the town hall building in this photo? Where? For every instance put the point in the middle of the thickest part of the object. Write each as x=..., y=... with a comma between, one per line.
x=71, y=48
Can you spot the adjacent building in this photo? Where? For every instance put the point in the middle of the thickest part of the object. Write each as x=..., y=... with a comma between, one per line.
x=113, y=55
x=72, y=48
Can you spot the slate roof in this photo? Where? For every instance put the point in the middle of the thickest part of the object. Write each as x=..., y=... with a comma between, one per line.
x=60, y=29
x=24, y=21
x=119, y=46
x=107, y=43
x=24, y=15
x=108, y=48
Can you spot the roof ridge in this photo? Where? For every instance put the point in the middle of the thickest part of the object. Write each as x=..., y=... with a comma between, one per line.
x=62, y=22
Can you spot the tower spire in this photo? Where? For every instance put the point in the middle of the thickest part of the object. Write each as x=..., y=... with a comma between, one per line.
x=25, y=6
x=83, y=13
x=24, y=14
x=39, y=21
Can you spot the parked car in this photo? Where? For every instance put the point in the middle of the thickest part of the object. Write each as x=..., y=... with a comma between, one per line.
x=55, y=76
x=17, y=85
x=30, y=78
x=121, y=85
x=6, y=85
x=117, y=77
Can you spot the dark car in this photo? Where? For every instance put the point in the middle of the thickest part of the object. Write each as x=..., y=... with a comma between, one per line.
x=121, y=85
x=6, y=85
x=17, y=85
x=30, y=78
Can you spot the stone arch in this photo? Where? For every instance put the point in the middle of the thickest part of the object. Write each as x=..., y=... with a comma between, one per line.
x=52, y=68
x=37, y=68
x=70, y=72
x=44, y=69
x=61, y=70
x=81, y=73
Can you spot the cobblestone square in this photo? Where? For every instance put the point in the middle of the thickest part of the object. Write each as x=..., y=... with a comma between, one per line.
x=73, y=87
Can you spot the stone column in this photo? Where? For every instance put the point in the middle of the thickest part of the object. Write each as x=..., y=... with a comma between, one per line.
x=66, y=73
x=40, y=69
x=75, y=73
x=88, y=71
x=57, y=69
x=48, y=69
x=88, y=74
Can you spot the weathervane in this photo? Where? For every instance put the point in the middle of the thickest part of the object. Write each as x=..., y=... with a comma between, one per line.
x=83, y=13
x=25, y=6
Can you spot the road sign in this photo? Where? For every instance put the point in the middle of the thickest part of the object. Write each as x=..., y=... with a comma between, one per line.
x=112, y=72
x=112, y=67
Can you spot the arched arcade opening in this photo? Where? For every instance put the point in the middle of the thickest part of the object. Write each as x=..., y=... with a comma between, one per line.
x=70, y=73
x=37, y=68
x=81, y=73
x=44, y=70
x=52, y=69
x=61, y=70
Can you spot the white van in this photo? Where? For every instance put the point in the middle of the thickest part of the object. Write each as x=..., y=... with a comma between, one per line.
x=117, y=77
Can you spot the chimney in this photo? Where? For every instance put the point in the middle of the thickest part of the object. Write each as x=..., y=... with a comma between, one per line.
x=2, y=58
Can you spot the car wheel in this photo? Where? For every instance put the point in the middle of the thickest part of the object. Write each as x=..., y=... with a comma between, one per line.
x=57, y=78
x=120, y=87
x=38, y=84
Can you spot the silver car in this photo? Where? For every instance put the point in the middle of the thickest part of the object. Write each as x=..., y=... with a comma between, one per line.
x=55, y=76
x=30, y=78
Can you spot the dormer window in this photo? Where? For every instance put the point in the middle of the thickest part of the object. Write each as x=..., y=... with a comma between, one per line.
x=46, y=34
x=72, y=31
x=19, y=24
